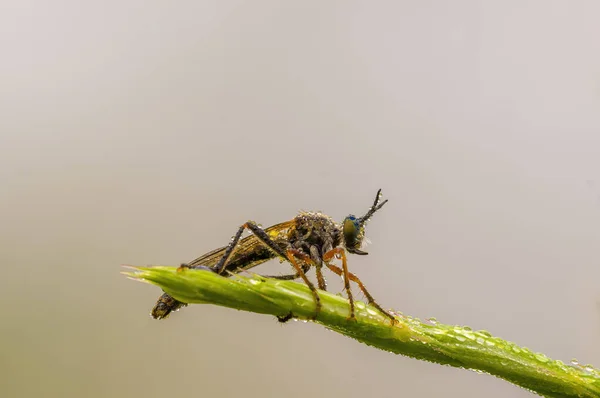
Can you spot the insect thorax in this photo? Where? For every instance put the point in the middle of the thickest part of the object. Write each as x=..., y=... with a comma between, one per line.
x=316, y=231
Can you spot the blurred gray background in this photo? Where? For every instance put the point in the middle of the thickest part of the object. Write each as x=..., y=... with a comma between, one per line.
x=146, y=132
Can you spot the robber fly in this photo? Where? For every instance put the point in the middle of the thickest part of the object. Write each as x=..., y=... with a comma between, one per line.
x=311, y=239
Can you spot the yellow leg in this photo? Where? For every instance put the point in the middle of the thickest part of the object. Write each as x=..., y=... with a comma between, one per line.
x=344, y=272
x=292, y=254
x=337, y=270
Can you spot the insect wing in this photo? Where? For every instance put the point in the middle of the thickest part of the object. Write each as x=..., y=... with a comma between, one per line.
x=248, y=253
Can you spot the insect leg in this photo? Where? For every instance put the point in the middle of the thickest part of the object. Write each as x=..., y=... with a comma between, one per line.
x=291, y=254
x=317, y=260
x=220, y=266
x=260, y=234
x=327, y=257
x=362, y=287
x=290, y=277
x=305, y=268
x=166, y=304
x=320, y=278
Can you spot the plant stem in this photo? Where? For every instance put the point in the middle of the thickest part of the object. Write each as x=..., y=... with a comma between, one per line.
x=431, y=341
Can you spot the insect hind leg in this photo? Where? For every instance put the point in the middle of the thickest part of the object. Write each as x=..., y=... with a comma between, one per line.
x=167, y=304
x=289, y=254
x=260, y=234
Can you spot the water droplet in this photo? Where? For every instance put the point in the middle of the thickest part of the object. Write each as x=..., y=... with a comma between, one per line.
x=485, y=333
x=372, y=312
x=574, y=362
x=432, y=320
x=541, y=357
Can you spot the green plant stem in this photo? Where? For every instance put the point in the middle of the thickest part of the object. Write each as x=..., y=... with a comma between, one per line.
x=443, y=344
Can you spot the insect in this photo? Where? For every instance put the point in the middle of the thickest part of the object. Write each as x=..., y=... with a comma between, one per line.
x=310, y=240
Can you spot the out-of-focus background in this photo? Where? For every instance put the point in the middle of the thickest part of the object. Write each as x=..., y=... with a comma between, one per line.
x=146, y=132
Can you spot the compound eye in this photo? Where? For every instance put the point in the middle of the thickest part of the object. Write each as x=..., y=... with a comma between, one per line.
x=353, y=232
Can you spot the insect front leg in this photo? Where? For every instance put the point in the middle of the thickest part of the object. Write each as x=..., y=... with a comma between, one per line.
x=318, y=262
x=327, y=257
x=362, y=287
